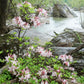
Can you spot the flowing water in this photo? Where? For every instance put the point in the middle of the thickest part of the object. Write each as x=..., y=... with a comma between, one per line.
x=45, y=33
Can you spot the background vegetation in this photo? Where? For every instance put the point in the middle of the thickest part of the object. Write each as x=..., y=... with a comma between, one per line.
x=47, y=3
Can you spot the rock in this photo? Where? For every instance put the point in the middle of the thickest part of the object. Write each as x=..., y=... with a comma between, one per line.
x=63, y=10
x=68, y=38
x=63, y=50
x=49, y=11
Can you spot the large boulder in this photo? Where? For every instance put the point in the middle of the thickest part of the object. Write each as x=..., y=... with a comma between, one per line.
x=63, y=10
x=68, y=38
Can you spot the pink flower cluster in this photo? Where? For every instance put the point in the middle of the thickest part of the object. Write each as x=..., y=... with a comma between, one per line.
x=44, y=53
x=18, y=21
x=13, y=69
x=25, y=2
x=10, y=57
x=35, y=20
x=23, y=75
x=27, y=54
x=42, y=12
x=33, y=17
x=42, y=73
x=66, y=59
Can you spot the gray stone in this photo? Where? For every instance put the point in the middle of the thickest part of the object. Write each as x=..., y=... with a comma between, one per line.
x=63, y=50
x=68, y=38
x=63, y=10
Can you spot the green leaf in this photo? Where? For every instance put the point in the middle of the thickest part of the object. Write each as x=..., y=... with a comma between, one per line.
x=1, y=52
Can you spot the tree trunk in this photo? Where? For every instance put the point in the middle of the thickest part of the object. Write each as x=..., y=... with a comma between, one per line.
x=3, y=9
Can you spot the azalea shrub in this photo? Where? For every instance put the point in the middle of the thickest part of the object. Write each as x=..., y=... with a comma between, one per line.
x=40, y=66
x=28, y=16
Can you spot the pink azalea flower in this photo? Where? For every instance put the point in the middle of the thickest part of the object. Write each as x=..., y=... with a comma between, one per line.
x=42, y=73
x=27, y=76
x=71, y=68
x=10, y=57
x=54, y=73
x=63, y=57
x=39, y=49
x=18, y=21
x=42, y=12
x=12, y=69
x=49, y=53
x=21, y=78
x=14, y=62
x=43, y=52
x=14, y=56
x=7, y=58
x=58, y=71
x=36, y=21
x=27, y=54
x=66, y=63
x=26, y=25
x=70, y=58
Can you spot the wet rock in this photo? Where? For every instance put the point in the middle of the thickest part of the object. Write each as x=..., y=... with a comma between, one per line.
x=64, y=50
x=63, y=10
x=68, y=38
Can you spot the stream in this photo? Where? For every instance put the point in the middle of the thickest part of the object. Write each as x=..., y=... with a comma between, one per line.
x=45, y=33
